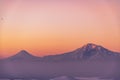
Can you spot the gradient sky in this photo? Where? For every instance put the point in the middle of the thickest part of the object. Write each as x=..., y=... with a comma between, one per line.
x=47, y=27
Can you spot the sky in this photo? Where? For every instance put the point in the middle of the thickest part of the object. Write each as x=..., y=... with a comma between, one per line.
x=45, y=27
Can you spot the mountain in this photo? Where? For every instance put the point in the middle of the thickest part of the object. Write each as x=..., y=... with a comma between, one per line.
x=23, y=56
x=87, y=52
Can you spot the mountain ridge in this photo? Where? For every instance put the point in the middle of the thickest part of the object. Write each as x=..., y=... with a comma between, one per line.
x=88, y=51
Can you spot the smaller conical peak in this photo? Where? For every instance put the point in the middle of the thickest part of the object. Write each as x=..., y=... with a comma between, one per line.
x=24, y=53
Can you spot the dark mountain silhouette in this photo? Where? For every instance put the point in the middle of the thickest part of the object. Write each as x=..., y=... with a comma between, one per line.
x=88, y=61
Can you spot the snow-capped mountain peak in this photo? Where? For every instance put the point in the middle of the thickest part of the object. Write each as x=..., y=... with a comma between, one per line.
x=90, y=46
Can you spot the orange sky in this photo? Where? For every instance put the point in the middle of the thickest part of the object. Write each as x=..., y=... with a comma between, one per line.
x=57, y=26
